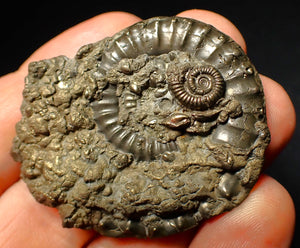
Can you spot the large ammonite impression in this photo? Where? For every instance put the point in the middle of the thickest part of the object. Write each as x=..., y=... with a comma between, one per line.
x=146, y=133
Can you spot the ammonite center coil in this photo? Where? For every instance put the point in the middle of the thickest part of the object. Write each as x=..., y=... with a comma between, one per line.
x=200, y=88
x=146, y=133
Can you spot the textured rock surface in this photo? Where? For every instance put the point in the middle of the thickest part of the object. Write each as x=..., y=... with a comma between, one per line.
x=146, y=133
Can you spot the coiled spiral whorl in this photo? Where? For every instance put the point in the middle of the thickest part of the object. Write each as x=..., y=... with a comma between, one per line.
x=200, y=88
x=145, y=133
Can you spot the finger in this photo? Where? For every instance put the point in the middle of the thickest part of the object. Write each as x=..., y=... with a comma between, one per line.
x=10, y=97
x=25, y=223
x=281, y=117
x=11, y=86
x=265, y=219
x=181, y=240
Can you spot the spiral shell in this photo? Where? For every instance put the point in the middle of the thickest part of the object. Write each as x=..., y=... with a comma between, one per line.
x=201, y=88
x=146, y=133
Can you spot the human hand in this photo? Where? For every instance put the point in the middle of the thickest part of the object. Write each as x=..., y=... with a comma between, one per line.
x=265, y=219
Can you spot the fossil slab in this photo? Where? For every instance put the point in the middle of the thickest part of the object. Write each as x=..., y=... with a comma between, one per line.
x=145, y=133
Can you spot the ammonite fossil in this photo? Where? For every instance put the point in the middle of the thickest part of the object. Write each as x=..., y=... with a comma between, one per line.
x=146, y=133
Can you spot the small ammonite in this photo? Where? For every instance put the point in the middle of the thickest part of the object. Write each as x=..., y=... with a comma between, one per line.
x=200, y=88
x=146, y=133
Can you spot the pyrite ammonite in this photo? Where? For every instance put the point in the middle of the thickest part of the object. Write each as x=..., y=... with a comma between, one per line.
x=146, y=133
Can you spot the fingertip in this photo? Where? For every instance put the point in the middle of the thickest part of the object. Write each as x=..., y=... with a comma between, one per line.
x=265, y=219
x=275, y=212
x=218, y=21
x=180, y=240
x=10, y=99
x=30, y=224
x=281, y=116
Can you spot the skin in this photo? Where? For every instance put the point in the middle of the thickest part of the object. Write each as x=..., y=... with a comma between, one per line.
x=265, y=219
